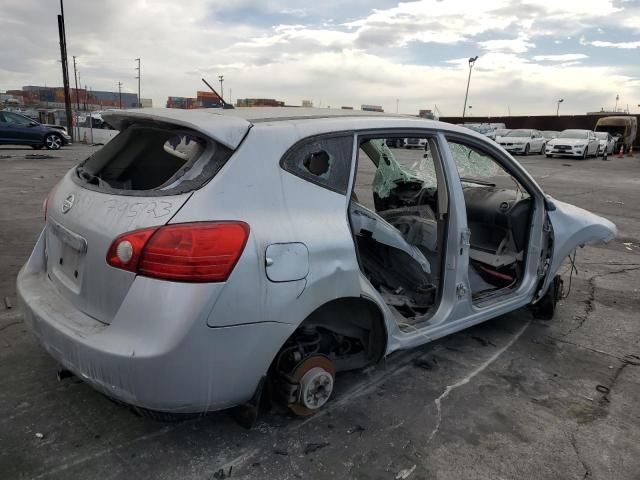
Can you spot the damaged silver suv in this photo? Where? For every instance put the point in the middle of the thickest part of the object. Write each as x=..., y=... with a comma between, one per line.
x=203, y=255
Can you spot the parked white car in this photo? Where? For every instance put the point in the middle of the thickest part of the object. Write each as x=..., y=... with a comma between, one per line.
x=573, y=143
x=415, y=143
x=606, y=142
x=523, y=141
x=497, y=133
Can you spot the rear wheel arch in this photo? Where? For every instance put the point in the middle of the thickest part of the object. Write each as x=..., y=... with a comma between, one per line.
x=342, y=313
x=345, y=315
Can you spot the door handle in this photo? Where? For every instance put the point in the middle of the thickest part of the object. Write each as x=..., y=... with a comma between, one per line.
x=268, y=261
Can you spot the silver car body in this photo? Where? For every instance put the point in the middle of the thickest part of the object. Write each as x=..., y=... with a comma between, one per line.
x=573, y=143
x=606, y=143
x=193, y=347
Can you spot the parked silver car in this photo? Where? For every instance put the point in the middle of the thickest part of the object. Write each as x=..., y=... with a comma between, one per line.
x=203, y=254
x=607, y=143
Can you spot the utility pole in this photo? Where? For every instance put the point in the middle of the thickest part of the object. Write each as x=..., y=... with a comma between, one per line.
x=75, y=74
x=138, y=78
x=397, y=103
x=120, y=93
x=221, y=78
x=65, y=69
x=558, y=107
x=472, y=61
x=616, y=108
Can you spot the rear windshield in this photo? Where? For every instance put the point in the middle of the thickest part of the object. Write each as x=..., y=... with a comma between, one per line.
x=151, y=160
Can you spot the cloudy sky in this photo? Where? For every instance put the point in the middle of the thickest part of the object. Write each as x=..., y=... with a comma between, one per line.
x=341, y=52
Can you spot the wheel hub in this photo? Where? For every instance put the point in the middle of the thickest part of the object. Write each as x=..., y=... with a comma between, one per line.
x=315, y=388
x=315, y=376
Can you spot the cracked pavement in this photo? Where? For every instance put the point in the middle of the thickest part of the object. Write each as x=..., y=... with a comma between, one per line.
x=513, y=398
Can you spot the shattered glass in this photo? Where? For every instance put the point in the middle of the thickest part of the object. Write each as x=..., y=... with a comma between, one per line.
x=473, y=164
x=390, y=172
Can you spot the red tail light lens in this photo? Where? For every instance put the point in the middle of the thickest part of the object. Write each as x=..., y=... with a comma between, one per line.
x=187, y=252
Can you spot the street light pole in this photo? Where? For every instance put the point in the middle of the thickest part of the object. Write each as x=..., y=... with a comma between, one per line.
x=472, y=60
x=558, y=107
x=221, y=78
x=138, y=78
x=617, y=98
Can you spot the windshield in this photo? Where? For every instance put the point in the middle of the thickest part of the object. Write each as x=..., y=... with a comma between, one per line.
x=574, y=134
x=501, y=131
x=550, y=134
x=602, y=135
x=519, y=133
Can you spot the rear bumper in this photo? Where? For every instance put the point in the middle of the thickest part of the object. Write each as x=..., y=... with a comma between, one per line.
x=158, y=353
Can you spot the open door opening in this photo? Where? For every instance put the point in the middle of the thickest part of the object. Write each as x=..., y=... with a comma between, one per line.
x=499, y=212
x=398, y=214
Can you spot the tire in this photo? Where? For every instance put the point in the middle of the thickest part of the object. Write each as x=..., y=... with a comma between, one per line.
x=549, y=156
x=545, y=308
x=53, y=141
x=542, y=148
x=584, y=155
x=526, y=150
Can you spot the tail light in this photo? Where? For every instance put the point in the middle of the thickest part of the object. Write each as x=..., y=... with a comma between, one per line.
x=185, y=252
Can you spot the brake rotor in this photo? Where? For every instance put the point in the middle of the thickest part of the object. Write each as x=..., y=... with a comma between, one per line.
x=315, y=375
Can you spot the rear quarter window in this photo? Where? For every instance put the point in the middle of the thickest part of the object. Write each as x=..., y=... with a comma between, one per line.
x=323, y=160
x=149, y=160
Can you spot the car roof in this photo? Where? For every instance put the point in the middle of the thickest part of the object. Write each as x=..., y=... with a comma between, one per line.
x=229, y=126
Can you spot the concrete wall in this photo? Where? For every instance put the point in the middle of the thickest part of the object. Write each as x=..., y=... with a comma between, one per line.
x=543, y=122
x=99, y=135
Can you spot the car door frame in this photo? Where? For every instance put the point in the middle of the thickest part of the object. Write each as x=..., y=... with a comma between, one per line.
x=436, y=325
x=467, y=313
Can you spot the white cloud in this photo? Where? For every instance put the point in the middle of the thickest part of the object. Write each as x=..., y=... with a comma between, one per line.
x=515, y=45
x=565, y=57
x=626, y=45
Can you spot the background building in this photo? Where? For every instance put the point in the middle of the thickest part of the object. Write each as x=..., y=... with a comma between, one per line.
x=259, y=102
x=53, y=97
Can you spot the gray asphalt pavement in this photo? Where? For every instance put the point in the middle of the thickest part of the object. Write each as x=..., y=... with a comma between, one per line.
x=513, y=398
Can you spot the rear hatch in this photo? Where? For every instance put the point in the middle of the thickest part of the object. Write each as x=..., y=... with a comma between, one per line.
x=139, y=179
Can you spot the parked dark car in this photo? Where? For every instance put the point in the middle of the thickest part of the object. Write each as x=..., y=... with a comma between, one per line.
x=16, y=129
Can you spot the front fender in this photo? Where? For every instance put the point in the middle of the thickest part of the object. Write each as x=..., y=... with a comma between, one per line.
x=574, y=227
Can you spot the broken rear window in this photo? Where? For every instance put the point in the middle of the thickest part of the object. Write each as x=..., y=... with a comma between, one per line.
x=153, y=160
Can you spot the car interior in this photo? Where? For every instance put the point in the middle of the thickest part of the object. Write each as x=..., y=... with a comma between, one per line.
x=398, y=214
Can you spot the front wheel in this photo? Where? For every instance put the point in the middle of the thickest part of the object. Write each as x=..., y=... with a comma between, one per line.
x=545, y=308
x=548, y=156
x=584, y=155
x=542, y=148
x=526, y=149
x=53, y=141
